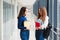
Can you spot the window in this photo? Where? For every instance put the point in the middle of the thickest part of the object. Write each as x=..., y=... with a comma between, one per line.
x=58, y=18
x=53, y=18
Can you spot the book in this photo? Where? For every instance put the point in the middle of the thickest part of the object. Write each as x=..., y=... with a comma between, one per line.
x=37, y=24
x=27, y=24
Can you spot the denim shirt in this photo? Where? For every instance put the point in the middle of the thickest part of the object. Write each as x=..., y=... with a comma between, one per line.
x=21, y=22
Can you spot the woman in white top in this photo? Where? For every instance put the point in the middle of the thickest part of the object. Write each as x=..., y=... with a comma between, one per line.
x=42, y=14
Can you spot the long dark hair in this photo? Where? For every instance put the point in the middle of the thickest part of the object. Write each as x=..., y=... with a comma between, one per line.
x=22, y=12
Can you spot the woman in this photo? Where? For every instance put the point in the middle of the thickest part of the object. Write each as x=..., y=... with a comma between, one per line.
x=24, y=33
x=45, y=21
x=42, y=15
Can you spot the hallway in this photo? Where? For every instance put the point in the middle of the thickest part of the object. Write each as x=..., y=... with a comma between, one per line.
x=9, y=10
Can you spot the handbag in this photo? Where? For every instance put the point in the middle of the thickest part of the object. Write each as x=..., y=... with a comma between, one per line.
x=46, y=31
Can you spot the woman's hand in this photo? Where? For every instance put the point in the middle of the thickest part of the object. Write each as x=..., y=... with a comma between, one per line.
x=47, y=27
x=40, y=27
x=27, y=28
x=37, y=28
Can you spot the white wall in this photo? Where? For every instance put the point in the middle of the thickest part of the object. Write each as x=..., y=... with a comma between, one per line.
x=10, y=21
x=0, y=19
x=1, y=15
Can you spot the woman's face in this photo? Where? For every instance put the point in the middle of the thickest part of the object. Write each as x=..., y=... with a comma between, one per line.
x=40, y=12
x=26, y=11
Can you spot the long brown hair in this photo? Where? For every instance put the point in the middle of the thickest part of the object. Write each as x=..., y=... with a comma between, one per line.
x=42, y=13
x=22, y=12
x=39, y=12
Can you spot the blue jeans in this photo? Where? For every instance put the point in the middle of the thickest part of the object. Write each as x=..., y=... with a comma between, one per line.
x=39, y=35
x=24, y=34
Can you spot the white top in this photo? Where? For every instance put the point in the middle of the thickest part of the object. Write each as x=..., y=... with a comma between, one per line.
x=45, y=24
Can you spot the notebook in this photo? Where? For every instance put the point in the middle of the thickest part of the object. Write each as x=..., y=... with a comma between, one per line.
x=37, y=24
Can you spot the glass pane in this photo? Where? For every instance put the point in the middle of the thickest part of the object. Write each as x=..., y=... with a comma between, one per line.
x=55, y=36
x=55, y=15
x=59, y=13
x=50, y=12
x=59, y=20
x=50, y=36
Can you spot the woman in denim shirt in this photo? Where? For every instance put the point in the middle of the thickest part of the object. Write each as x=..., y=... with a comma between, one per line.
x=24, y=33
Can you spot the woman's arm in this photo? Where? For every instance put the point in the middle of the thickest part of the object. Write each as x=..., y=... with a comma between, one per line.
x=45, y=24
x=21, y=24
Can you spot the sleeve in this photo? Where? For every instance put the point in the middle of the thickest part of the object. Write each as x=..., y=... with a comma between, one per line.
x=20, y=24
x=45, y=24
